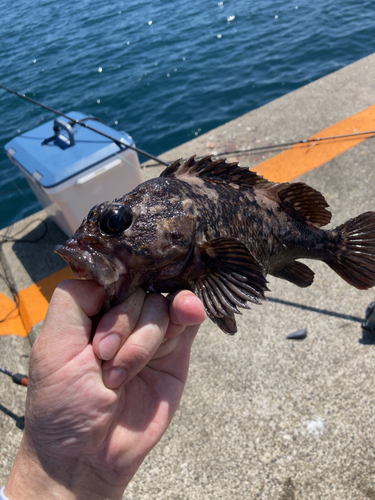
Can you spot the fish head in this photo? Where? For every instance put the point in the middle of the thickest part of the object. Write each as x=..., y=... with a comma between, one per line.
x=147, y=235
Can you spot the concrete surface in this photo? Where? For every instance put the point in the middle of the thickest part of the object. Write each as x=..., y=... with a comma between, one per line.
x=262, y=417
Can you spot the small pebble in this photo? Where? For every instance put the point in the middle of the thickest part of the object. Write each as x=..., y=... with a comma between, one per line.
x=298, y=334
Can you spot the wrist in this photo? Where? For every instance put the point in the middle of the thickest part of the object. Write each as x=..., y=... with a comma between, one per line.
x=43, y=477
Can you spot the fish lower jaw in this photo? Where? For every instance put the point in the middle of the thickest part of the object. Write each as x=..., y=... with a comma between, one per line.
x=83, y=273
x=86, y=265
x=78, y=271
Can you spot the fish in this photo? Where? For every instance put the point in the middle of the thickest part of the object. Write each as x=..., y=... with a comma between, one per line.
x=217, y=229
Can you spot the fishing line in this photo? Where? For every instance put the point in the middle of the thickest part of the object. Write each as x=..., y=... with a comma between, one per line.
x=17, y=187
x=4, y=238
x=7, y=239
x=6, y=279
x=283, y=146
x=289, y=144
x=120, y=144
x=15, y=297
x=7, y=191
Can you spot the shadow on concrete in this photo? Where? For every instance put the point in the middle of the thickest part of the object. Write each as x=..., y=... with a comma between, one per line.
x=35, y=249
x=368, y=337
x=316, y=309
x=20, y=421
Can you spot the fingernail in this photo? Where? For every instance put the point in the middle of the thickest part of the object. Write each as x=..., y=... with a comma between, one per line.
x=109, y=346
x=114, y=377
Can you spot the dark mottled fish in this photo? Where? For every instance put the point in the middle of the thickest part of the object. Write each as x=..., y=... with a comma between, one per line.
x=218, y=230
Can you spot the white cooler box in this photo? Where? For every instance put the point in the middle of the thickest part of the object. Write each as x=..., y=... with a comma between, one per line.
x=76, y=168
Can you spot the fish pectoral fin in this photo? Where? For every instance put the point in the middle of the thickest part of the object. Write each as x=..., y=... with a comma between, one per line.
x=226, y=323
x=232, y=277
x=304, y=203
x=297, y=273
x=216, y=308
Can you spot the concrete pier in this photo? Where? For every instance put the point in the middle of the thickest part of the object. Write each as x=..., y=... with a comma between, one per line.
x=262, y=416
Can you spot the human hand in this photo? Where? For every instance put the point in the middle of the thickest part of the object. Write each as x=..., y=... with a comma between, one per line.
x=95, y=409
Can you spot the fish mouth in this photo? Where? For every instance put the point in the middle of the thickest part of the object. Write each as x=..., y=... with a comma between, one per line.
x=87, y=263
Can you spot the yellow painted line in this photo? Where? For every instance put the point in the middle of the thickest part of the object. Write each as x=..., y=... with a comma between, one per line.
x=283, y=167
x=302, y=158
x=10, y=319
x=33, y=305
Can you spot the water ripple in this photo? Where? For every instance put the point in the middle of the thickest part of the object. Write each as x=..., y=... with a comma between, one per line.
x=265, y=49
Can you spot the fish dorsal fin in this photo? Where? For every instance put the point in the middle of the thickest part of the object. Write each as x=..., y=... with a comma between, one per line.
x=232, y=277
x=218, y=170
x=303, y=203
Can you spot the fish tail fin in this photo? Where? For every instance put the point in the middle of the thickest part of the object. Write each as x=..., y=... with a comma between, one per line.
x=354, y=256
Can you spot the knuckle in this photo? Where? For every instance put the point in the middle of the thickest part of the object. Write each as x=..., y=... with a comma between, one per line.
x=66, y=286
x=139, y=354
x=159, y=301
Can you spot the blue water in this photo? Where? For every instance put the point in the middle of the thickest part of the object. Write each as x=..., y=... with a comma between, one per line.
x=170, y=70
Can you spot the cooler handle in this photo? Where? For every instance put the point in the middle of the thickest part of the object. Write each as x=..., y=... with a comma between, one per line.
x=92, y=175
x=59, y=124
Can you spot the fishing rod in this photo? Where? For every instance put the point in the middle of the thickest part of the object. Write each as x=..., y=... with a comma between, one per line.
x=239, y=152
x=83, y=124
x=17, y=378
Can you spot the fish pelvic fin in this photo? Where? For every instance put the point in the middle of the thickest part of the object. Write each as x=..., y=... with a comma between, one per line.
x=354, y=259
x=232, y=277
x=297, y=273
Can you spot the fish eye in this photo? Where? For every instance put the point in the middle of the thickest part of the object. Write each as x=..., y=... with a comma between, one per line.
x=115, y=219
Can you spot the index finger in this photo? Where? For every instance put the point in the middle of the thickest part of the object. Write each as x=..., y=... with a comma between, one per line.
x=140, y=345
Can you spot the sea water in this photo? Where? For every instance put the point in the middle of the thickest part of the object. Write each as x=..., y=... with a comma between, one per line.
x=164, y=71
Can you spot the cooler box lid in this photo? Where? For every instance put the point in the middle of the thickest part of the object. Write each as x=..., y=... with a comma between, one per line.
x=53, y=158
